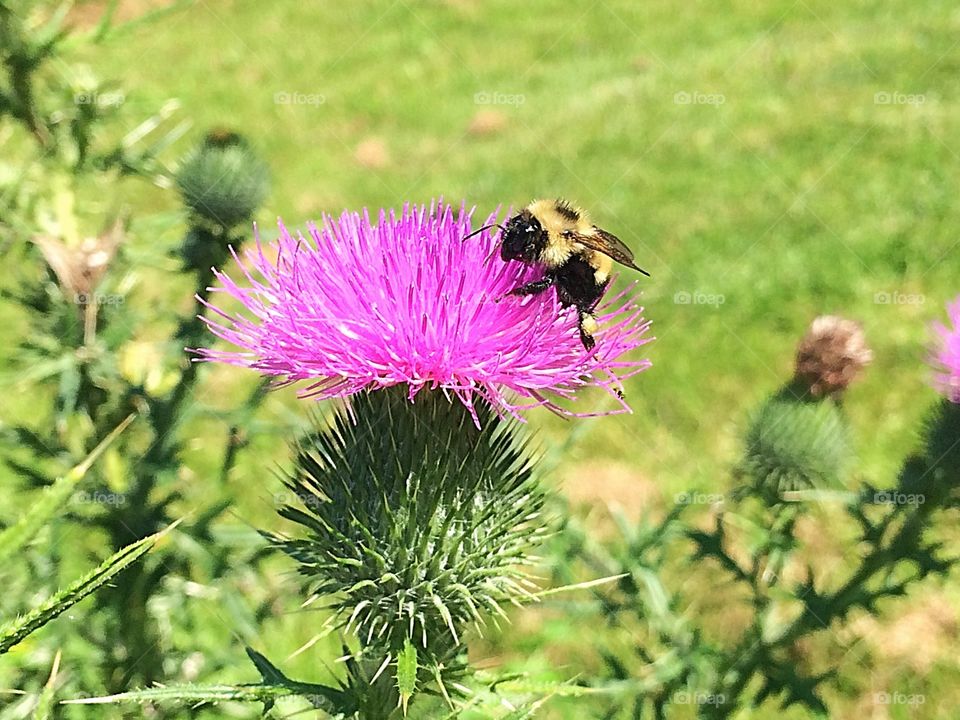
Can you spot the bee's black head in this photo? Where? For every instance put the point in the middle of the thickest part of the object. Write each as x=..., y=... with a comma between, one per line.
x=523, y=238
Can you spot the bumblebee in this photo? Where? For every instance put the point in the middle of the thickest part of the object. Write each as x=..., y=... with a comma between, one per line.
x=577, y=254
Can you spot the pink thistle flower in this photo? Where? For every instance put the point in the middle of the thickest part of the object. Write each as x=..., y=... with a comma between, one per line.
x=361, y=305
x=946, y=356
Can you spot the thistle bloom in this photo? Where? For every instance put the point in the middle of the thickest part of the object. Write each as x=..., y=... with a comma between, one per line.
x=946, y=356
x=406, y=300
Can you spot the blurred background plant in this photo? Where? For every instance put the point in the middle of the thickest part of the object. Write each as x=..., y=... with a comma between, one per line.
x=724, y=143
x=92, y=356
x=798, y=462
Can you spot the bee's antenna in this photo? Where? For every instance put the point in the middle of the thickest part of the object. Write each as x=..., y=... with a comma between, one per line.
x=480, y=230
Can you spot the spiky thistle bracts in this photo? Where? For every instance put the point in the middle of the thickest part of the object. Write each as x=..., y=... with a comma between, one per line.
x=404, y=300
x=417, y=523
x=796, y=444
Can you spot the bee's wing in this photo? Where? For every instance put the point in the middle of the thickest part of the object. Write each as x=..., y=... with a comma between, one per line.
x=611, y=246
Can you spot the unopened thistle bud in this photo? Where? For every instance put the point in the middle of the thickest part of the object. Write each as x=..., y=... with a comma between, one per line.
x=793, y=444
x=799, y=438
x=223, y=182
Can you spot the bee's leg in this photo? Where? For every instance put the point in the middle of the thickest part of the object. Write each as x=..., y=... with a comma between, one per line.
x=588, y=326
x=592, y=305
x=531, y=288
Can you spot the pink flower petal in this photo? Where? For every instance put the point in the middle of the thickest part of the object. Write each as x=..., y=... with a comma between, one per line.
x=360, y=305
x=946, y=357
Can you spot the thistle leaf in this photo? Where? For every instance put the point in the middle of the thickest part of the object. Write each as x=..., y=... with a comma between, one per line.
x=406, y=673
x=268, y=671
x=192, y=694
x=15, y=631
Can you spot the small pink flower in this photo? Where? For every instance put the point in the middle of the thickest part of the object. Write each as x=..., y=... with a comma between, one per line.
x=946, y=356
x=361, y=305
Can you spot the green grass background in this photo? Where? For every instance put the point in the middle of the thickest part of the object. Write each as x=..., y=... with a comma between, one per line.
x=798, y=194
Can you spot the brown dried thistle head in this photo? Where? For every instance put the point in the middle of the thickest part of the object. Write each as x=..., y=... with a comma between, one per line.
x=831, y=355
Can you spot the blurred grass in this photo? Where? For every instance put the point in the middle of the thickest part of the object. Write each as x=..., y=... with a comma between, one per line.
x=799, y=194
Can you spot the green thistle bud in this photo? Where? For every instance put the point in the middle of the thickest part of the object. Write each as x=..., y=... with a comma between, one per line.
x=223, y=182
x=418, y=523
x=794, y=444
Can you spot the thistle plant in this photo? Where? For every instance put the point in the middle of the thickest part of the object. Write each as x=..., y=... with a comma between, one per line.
x=940, y=457
x=419, y=502
x=946, y=355
x=798, y=460
x=799, y=438
x=417, y=507
x=433, y=525
x=75, y=273
x=415, y=527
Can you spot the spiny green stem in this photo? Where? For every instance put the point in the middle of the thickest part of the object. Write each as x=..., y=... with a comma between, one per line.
x=142, y=516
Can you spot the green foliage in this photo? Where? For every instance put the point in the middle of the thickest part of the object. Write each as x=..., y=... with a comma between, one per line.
x=28, y=526
x=787, y=173
x=46, y=701
x=407, y=673
x=794, y=447
x=88, y=365
x=196, y=695
x=15, y=631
